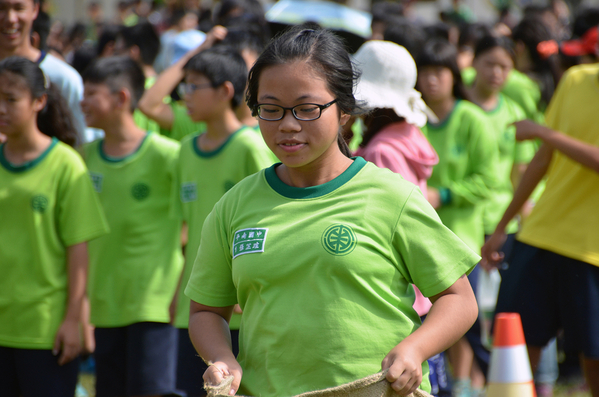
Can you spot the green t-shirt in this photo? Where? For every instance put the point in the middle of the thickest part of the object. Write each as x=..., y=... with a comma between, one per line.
x=143, y=121
x=511, y=153
x=521, y=89
x=466, y=173
x=323, y=274
x=134, y=270
x=46, y=205
x=183, y=125
x=202, y=179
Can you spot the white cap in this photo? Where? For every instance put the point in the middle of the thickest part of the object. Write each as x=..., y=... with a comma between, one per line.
x=388, y=80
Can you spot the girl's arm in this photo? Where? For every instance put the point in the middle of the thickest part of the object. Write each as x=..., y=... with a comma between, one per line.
x=583, y=153
x=210, y=335
x=67, y=339
x=452, y=314
x=491, y=257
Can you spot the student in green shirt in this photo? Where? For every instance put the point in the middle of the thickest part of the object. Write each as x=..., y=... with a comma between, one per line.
x=209, y=165
x=465, y=176
x=48, y=214
x=320, y=250
x=135, y=269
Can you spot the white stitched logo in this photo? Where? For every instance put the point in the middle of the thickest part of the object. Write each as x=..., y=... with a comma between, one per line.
x=189, y=192
x=249, y=241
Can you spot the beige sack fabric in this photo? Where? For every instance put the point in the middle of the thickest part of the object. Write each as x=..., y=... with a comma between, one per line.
x=372, y=386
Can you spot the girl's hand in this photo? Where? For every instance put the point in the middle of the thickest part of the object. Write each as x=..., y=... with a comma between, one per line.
x=67, y=342
x=491, y=256
x=219, y=370
x=526, y=130
x=405, y=369
x=433, y=196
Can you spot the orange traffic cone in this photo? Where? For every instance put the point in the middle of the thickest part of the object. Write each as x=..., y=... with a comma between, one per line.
x=509, y=369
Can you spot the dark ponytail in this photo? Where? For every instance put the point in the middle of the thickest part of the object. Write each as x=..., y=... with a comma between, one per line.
x=55, y=120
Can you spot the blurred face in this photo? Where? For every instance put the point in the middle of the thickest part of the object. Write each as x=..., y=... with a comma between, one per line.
x=435, y=83
x=492, y=68
x=200, y=97
x=299, y=144
x=18, y=110
x=98, y=104
x=16, y=18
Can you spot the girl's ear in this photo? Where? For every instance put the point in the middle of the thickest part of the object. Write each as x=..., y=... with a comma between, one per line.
x=40, y=103
x=344, y=118
x=123, y=98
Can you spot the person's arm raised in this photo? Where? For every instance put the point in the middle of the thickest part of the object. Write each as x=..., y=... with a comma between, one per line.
x=152, y=102
x=210, y=335
x=581, y=152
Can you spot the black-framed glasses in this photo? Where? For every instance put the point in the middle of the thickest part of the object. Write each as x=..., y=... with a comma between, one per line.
x=190, y=88
x=303, y=112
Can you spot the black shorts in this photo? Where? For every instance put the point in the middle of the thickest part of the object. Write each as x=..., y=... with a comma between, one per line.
x=32, y=373
x=136, y=360
x=552, y=292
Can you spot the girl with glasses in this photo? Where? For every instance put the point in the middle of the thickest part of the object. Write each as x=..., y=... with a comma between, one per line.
x=320, y=250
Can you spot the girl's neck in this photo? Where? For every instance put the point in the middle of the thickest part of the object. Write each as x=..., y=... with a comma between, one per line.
x=123, y=138
x=218, y=130
x=485, y=98
x=26, y=51
x=26, y=147
x=320, y=171
x=443, y=107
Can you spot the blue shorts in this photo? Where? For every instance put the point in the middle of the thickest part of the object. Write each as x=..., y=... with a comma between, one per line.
x=136, y=360
x=190, y=367
x=31, y=373
x=552, y=292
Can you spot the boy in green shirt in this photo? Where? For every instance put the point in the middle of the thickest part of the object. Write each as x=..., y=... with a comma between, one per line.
x=209, y=165
x=135, y=269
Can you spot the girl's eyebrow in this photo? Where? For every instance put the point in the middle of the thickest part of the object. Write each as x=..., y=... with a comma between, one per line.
x=263, y=97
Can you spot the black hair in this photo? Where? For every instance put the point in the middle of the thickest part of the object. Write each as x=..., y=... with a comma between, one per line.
x=56, y=119
x=109, y=35
x=531, y=31
x=322, y=50
x=440, y=52
x=439, y=30
x=220, y=64
x=82, y=57
x=386, y=11
x=471, y=34
x=144, y=36
x=117, y=72
x=489, y=42
x=245, y=37
x=586, y=18
x=227, y=10
x=376, y=120
x=406, y=34
x=41, y=26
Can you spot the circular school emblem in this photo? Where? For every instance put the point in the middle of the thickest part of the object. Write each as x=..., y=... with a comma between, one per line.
x=39, y=203
x=339, y=240
x=140, y=191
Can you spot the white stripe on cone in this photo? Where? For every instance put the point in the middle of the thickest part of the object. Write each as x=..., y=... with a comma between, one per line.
x=509, y=365
x=511, y=390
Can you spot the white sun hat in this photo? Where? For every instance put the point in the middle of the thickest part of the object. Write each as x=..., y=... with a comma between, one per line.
x=388, y=80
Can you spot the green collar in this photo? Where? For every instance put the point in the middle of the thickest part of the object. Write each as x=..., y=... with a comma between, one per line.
x=29, y=164
x=212, y=153
x=313, y=191
x=111, y=159
x=442, y=123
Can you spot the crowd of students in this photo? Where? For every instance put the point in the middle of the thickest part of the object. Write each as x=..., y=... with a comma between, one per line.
x=185, y=205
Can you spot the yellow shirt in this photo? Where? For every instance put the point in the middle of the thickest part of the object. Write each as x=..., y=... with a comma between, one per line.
x=566, y=216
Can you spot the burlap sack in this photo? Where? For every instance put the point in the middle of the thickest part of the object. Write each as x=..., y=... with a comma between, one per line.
x=372, y=386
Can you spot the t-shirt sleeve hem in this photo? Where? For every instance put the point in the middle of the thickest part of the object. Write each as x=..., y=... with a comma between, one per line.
x=85, y=236
x=202, y=298
x=464, y=266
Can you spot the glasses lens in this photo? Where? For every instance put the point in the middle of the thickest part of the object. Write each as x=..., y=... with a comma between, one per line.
x=307, y=111
x=270, y=112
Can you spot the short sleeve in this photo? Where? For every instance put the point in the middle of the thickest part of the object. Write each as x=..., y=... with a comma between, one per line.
x=211, y=279
x=434, y=256
x=80, y=215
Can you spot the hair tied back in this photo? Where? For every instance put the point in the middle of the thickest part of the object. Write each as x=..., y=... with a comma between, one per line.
x=547, y=48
